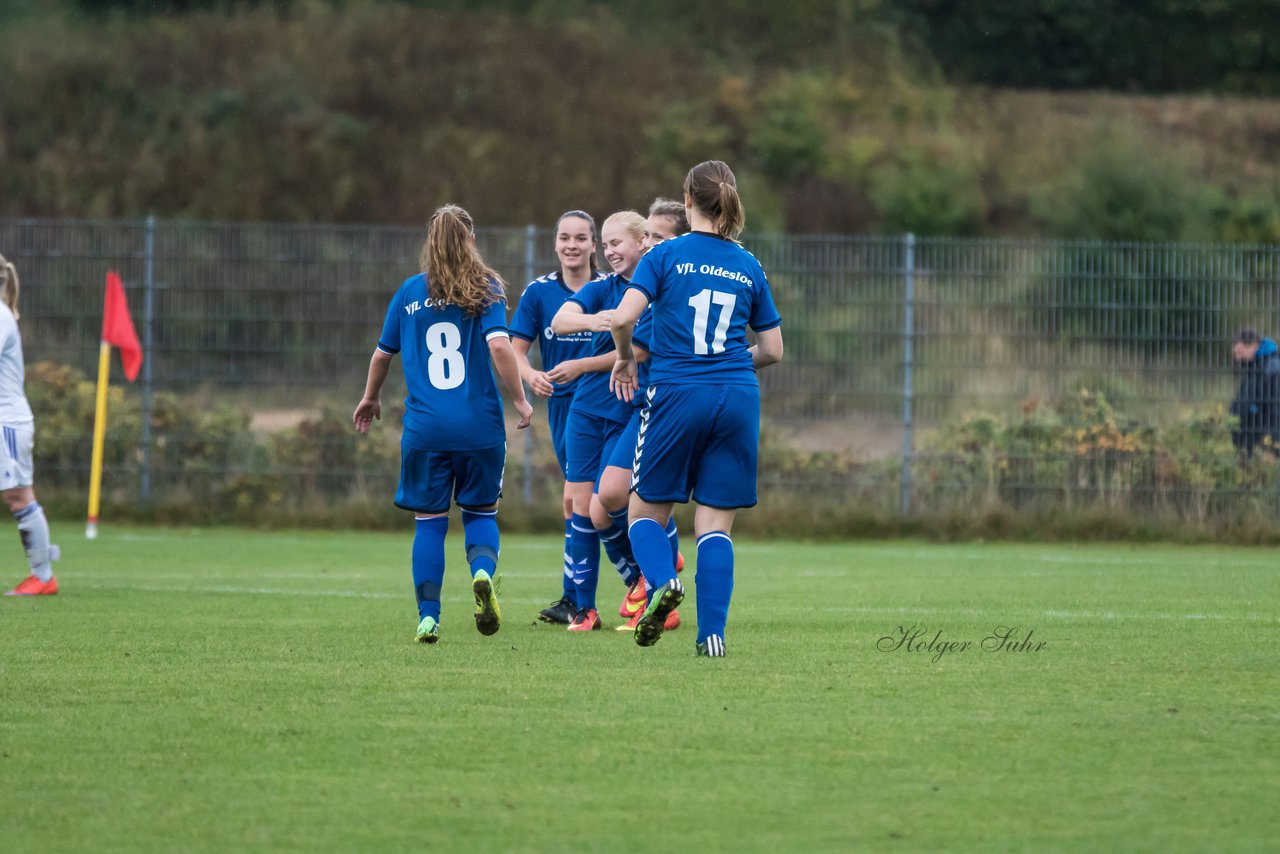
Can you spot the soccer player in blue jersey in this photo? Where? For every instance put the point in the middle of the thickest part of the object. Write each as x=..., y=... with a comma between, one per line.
x=597, y=418
x=700, y=426
x=666, y=220
x=561, y=357
x=447, y=323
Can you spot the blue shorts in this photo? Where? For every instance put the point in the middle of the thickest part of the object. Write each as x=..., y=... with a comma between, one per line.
x=701, y=440
x=624, y=450
x=558, y=419
x=591, y=440
x=430, y=479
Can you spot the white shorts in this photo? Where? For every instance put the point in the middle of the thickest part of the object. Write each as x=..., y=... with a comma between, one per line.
x=15, y=456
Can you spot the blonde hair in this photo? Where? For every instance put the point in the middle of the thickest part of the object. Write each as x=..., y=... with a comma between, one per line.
x=9, y=285
x=630, y=220
x=714, y=191
x=457, y=273
x=673, y=211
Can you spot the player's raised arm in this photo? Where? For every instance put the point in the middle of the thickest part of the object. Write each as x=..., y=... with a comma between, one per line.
x=571, y=318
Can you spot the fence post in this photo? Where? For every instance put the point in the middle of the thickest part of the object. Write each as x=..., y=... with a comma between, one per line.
x=530, y=240
x=148, y=291
x=908, y=363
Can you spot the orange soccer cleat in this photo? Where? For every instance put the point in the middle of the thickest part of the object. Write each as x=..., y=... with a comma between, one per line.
x=630, y=625
x=672, y=622
x=32, y=586
x=635, y=600
x=679, y=561
x=586, y=621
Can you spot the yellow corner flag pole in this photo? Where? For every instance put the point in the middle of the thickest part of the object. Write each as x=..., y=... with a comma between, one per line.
x=99, y=438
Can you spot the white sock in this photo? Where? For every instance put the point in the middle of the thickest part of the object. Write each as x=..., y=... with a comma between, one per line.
x=33, y=527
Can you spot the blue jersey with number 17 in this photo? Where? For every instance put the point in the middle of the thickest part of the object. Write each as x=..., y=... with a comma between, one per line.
x=453, y=402
x=705, y=290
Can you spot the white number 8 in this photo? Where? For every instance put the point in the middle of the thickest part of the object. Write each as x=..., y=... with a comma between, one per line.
x=445, y=367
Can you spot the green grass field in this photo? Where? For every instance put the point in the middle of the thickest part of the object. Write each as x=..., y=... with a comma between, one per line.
x=220, y=690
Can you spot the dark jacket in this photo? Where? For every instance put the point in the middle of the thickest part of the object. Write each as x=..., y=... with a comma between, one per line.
x=1257, y=400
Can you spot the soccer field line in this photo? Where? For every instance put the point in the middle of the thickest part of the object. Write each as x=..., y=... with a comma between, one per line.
x=379, y=574
x=949, y=553
x=860, y=609
x=1052, y=614
x=279, y=591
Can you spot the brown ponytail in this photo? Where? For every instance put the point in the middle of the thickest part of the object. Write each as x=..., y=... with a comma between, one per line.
x=714, y=192
x=457, y=273
x=9, y=285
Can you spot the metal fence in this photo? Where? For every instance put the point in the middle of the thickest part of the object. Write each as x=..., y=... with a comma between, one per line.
x=901, y=351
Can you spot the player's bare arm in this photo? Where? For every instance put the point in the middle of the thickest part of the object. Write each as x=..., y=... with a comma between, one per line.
x=536, y=379
x=508, y=370
x=369, y=409
x=768, y=348
x=571, y=318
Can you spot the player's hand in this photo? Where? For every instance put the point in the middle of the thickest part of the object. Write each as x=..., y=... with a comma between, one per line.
x=540, y=384
x=526, y=413
x=566, y=372
x=622, y=382
x=366, y=413
x=602, y=322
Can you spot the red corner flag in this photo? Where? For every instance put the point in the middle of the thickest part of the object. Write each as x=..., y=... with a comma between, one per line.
x=117, y=327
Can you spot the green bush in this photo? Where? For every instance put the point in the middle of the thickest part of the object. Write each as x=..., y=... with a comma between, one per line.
x=1125, y=190
x=1251, y=219
x=1079, y=452
x=928, y=194
x=789, y=140
x=1074, y=467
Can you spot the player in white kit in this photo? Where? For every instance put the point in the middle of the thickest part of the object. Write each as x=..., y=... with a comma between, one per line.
x=17, y=435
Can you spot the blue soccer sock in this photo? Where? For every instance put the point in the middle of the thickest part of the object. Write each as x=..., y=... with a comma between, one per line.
x=585, y=551
x=674, y=537
x=480, y=531
x=569, y=592
x=653, y=553
x=714, y=583
x=618, y=546
x=428, y=563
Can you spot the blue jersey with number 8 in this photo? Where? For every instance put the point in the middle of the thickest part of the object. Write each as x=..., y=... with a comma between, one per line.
x=452, y=402
x=705, y=290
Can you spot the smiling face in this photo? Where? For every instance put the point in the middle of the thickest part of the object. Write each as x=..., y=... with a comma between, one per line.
x=621, y=248
x=657, y=229
x=574, y=243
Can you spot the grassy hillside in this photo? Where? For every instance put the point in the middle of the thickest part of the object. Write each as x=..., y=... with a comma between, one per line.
x=378, y=112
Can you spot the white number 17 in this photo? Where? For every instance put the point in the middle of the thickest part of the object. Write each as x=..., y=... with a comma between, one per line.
x=702, y=302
